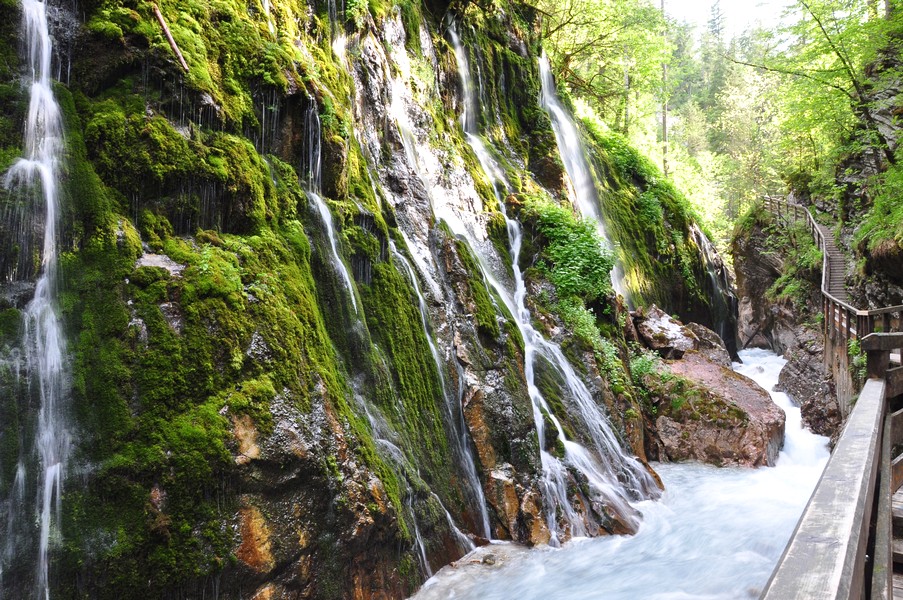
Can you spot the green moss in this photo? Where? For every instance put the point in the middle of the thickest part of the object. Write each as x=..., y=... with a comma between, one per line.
x=576, y=261
x=485, y=312
x=414, y=396
x=10, y=325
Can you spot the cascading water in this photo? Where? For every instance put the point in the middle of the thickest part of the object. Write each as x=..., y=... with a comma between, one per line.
x=311, y=173
x=452, y=405
x=615, y=477
x=269, y=17
x=36, y=174
x=573, y=156
x=716, y=534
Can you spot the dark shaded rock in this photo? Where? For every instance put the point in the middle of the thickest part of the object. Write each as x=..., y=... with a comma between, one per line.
x=808, y=383
x=710, y=345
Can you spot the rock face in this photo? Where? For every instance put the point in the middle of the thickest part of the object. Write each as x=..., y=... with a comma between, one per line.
x=700, y=408
x=664, y=334
x=806, y=380
x=783, y=327
x=292, y=375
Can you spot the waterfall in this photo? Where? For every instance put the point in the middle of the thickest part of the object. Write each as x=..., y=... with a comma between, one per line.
x=311, y=170
x=614, y=477
x=573, y=156
x=452, y=404
x=43, y=342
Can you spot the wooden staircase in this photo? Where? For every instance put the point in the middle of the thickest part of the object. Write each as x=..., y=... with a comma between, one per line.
x=836, y=262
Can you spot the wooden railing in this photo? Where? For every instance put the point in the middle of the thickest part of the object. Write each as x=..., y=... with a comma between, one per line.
x=842, y=545
x=843, y=322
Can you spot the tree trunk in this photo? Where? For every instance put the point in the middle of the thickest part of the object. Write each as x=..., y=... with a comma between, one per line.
x=664, y=103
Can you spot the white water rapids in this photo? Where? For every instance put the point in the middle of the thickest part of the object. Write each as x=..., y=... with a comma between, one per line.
x=716, y=534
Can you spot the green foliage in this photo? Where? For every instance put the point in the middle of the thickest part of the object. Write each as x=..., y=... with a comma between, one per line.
x=227, y=47
x=881, y=231
x=575, y=257
x=596, y=45
x=802, y=264
x=858, y=360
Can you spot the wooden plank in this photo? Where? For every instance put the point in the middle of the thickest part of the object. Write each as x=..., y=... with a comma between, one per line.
x=825, y=557
x=882, y=341
x=897, y=473
x=896, y=432
x=895, y=387
x=898, y=585
x=882, y=558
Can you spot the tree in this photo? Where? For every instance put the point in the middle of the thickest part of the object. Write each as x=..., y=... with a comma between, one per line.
x=825, y=53
x=606, y=52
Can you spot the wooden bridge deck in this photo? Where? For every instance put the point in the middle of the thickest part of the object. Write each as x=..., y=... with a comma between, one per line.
x=836, y=262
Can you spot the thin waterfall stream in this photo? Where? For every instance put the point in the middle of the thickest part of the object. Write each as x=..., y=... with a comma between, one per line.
x=715, y=534
x=573, y=156
x=454, y=413
x=41, y=468
x=614, y=477
x=311, y=171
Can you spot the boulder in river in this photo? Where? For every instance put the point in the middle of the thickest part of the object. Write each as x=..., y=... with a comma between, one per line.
x=698, y=408
x=664, y=334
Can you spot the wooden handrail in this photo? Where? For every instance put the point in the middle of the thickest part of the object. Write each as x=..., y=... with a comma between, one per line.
x=831, y=555
x=825, y=558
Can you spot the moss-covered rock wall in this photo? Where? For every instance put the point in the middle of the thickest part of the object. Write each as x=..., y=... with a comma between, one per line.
x=246, y=424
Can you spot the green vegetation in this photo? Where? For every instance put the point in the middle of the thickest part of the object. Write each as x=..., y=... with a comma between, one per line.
x=573, y=253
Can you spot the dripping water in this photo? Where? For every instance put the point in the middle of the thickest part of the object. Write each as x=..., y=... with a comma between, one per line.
x=453, y=410
x=311, y=171
x=41, y=468
x=724, y=303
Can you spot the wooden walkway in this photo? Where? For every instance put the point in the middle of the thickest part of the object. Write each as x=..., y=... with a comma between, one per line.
x=848, y=544
x=836, y=263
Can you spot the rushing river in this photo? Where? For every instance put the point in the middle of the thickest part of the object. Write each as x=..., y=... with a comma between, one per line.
x=714, y=534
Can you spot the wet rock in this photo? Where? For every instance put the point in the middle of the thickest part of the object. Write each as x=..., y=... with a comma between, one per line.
x=662, y=333
x=149, y=259
x=255, y=551
x=808, y=383
x=710, y=345
x=709, y=413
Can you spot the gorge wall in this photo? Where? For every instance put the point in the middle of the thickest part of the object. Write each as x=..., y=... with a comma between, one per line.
x=319, y=343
